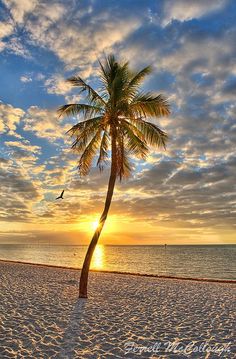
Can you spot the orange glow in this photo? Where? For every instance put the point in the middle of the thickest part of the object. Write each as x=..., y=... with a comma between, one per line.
x=98, y=257
x=94, y=225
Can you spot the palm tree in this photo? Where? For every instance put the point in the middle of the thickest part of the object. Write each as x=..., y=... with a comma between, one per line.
x=114, y=126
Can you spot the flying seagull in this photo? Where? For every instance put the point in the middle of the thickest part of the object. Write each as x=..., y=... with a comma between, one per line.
x=61, y=195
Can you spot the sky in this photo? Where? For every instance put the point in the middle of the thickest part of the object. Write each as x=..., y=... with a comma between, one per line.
x=184, y=195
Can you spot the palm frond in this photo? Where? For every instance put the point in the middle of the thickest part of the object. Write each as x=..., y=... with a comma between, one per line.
x=137, y=79
x=124, y=167
x=89, y=153
x=152, y=134
x=74, y=109
x=147, y=104
x=103, y=152
x=108, y=69
x=119, y=85
x=85, y=125
x=84, y=131
x=114, y=77
x=133, y=128
x=134, y=143
x=92, y=94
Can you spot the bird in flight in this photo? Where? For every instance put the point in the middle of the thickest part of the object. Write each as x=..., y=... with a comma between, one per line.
x=61, y=195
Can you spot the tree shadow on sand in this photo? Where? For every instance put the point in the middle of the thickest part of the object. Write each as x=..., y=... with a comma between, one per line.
x=72, y=341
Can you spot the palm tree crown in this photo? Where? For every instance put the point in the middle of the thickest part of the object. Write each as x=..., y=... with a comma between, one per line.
x=119, y=111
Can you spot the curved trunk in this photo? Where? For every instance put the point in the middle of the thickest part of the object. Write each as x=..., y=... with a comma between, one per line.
x=85, y=269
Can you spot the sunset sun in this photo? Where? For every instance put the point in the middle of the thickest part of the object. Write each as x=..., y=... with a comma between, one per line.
x=94, y=225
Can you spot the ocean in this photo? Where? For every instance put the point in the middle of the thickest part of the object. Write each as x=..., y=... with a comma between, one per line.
x=195, y=261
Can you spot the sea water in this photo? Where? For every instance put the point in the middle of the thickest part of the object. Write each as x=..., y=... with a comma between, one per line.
x=196, y=261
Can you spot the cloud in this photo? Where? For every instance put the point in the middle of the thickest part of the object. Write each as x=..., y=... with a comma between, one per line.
x=193, y=196
x=68, y=32
x=14, y=45
x=23, y=145
x=39, y=76
x=229, y=87
x=26, y=78
x=44, y=123
x=18, y=191
x=19, y=9
x=183, y=10
x=6, y=29
x=10, y=117
x=57, y=85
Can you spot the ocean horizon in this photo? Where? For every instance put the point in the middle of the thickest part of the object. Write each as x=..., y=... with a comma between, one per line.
x=193, y=261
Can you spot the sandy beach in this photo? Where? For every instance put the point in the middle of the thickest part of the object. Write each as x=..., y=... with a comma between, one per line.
x=126, y=316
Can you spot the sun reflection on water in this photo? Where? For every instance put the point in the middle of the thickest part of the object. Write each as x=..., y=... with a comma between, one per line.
x=98, y=257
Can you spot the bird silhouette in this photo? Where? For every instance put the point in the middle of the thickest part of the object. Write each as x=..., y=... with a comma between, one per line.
x=61, y=195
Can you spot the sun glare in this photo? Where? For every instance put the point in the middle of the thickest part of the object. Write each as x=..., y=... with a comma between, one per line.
x=98, y=257
x=94, y=225
x=90, y=224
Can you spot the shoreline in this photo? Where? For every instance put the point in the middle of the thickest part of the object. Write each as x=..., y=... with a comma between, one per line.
x=210, y=280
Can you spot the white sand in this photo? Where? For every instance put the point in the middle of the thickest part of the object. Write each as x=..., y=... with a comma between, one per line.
x=42, y=317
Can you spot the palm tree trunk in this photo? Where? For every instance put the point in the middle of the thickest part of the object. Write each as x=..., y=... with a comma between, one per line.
x=112, y=180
